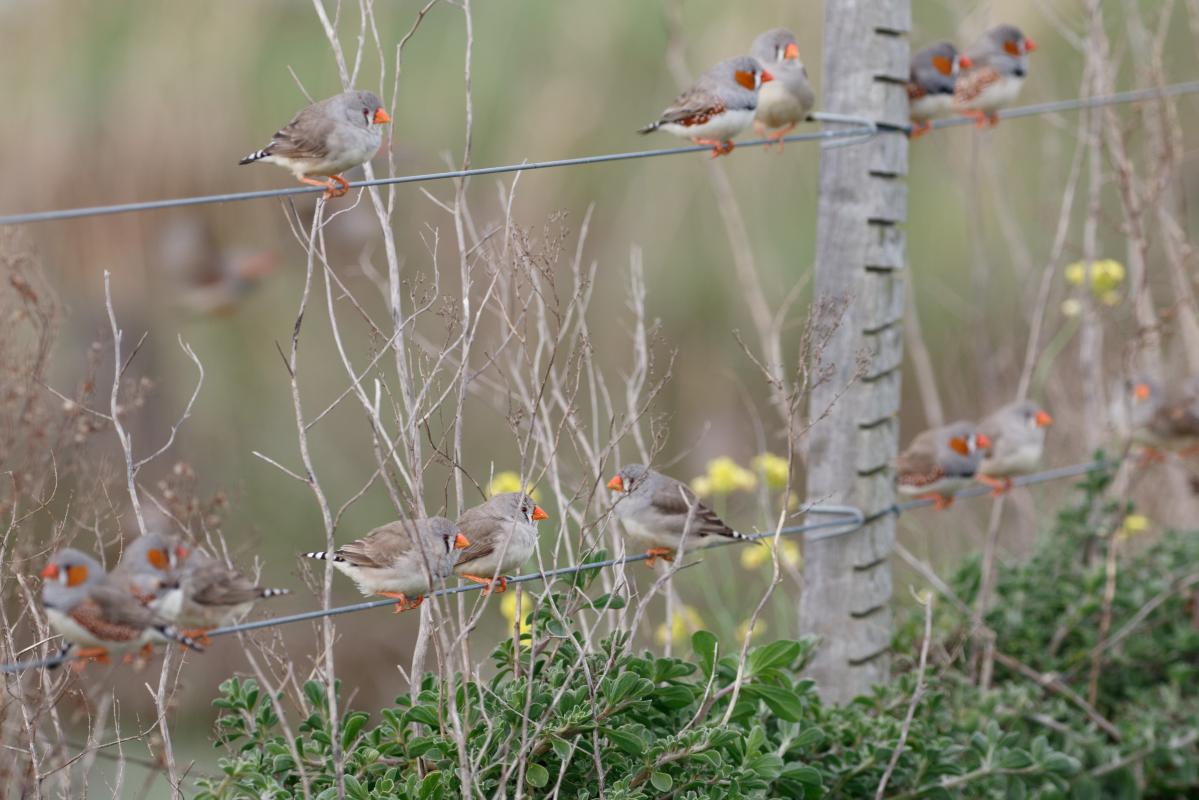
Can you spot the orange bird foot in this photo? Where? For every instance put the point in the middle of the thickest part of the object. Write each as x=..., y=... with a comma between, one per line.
x=406, y=603
x=499, y=585
x=980, y=119
x=940, y=501
x=777, y=136
x=335, y=186
x=200, y=635
x=719, y=148
x=654, y=553
x=1151, y=456
x=999, y=486
x=919, y=129
x=86, y=654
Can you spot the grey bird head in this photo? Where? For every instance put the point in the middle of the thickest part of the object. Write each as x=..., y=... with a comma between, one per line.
x=149, y=564
x=736, y=81
x=935, y=68
x=777, y=47
x=514, y=507
x=1005, y=49
x=632, y=478
x=362, y=109
x=69, y=577
x=448, y=539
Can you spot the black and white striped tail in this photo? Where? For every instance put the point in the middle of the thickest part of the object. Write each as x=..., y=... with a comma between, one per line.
x=257, y=155
x=322, y=556
x=175, y=635
x=647, y=129
x=274, y=592
x=744, y=537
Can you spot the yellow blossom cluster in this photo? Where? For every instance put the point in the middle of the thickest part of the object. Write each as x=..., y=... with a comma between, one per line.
x=509, y=481
x=1107, y=276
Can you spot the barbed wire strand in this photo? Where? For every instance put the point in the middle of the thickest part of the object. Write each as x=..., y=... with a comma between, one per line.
x=850, y=518
x=863, y=131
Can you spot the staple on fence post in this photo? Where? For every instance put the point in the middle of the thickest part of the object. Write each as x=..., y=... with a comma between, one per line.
x=860, y=248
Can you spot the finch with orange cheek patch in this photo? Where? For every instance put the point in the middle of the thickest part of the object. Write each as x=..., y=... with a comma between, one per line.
x=718, y=107
x=931, y=83
x=941, y=461
x=95, y=615
x=999, y=64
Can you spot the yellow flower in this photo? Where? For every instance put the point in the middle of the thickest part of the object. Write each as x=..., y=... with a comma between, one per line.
x=1076, y=273
x=686, y=622
x=754, y=556
x=1106, y=275
x=727, y=476
x=743, y=629
x=1111, y=298
x=702, y=486
x=1134, y=525
x=772, y=468
x=1071, y=307
x=509, y=481
x=508, y=609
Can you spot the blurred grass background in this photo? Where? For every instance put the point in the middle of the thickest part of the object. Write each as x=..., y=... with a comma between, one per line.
x=114, y=102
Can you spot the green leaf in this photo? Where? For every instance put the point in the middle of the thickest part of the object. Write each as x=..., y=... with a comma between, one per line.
x=775, y=655
x=661, y=781
x=801, y=773
x=315, y=692
x=626, y=740
x=350, y=729
x=704, y=644
x=537, y=776
x=782, y=702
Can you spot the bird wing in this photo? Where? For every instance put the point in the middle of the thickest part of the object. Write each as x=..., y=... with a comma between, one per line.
x=695, y=106
x=114, y=615
x=482, y=531
x=677, y=501
x=382, y=547
x=306, y=136
x=918, y=465
x=972, y=83
x=215, y=584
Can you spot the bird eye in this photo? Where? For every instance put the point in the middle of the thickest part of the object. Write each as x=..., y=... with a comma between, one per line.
x=778, y=53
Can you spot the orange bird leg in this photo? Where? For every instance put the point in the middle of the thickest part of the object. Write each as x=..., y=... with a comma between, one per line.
x=980, y=119
x=760, y=129
x=940, y=501
x=993, y=119
x=777, y=136
x=331, y=188
x=1151, y=456
x=343, y=185
x=499, y=585
x=919, y=129
x=654, y=553
x=719, y=148
x=406, y=603
x=97, y=654
x=999, y=486
x=200, y=635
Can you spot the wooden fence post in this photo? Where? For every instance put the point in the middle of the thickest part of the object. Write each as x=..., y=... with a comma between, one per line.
x=860, y=248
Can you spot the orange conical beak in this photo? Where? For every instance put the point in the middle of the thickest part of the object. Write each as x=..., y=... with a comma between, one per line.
x=984, y=442
x=791, y=52
x=539, y=514
x=1043, y=419
x=1029, y=45
x=766, y=76
x=461, y=542
x=964, y=62
x=381, y=116
x=51, y=571
x=616, y=484
x=1141, y=391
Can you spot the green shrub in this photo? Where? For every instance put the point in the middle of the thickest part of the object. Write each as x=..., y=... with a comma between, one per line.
x=610, y=722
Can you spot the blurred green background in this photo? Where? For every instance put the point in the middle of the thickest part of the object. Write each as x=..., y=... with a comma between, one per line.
x=114, y=102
